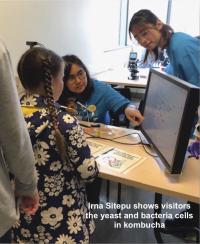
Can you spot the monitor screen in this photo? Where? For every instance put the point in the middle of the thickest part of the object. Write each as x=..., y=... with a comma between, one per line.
x=169, y=110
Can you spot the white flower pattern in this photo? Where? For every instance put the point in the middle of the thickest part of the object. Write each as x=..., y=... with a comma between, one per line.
x=68, y=118
x=65, y=239
x=55, y=166
x=74, y=224
x=87, y=168
x=53, y=185
x=29, y=100
x=68, y=200
x=41, y=155
x=63, y=204
x=52, y=216
x=25, y=232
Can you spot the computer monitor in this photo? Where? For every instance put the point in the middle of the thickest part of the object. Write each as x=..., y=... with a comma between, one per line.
x=169, y=108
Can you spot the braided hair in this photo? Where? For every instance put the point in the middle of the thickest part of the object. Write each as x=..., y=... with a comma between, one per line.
x=38, y=65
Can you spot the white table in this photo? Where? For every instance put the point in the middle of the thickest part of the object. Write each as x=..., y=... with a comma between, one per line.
x=119, y=76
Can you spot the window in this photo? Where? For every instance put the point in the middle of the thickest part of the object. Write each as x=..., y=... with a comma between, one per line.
x=187, y=17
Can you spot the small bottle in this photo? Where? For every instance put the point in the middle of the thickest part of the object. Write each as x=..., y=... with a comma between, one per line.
x=96, y=130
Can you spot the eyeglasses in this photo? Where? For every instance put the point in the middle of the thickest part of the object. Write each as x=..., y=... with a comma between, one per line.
x=81, y=74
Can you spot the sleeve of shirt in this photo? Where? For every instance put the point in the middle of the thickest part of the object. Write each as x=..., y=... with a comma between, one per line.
x=190, y=68
x=114, y=101
x=168, y=69
x=185, y=59
x=14, y=138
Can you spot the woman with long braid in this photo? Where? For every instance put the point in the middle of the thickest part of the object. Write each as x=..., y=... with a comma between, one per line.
x=63, y=159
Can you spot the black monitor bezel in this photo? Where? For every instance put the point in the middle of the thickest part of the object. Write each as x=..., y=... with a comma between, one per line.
x=190, y=108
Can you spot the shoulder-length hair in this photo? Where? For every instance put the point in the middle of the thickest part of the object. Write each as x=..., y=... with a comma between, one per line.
x=69, y=61
x=145, y=16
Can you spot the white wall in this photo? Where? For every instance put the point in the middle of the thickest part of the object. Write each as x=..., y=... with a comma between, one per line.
x=185, y=16
x=82, y=27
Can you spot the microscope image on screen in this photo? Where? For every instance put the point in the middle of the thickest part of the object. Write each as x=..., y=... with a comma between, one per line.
x=169, y=108
x=132, y=66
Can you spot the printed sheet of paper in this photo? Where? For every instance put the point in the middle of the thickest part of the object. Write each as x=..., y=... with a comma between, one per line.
x=119, y=160
x=98, y=148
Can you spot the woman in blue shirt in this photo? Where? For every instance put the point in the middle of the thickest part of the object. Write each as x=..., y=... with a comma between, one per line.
x=182, y=49
x=79, y=86
x=184, y=55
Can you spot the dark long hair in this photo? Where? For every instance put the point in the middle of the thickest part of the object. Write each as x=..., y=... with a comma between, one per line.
x=69, y=61
x=145, y=16
x=31, y=66
x=37, y=66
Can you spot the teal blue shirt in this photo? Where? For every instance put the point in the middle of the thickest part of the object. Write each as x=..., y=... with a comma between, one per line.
x=184, y=55
x=106, y=99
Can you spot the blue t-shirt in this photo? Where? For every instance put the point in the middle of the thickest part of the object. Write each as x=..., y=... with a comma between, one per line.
x=168, y=69
x=106, y=99
x=184, y=55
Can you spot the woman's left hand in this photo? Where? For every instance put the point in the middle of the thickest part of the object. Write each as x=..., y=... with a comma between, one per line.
x=133, y=115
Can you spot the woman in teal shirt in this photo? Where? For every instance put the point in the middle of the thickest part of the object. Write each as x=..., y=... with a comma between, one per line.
x=184, y=55
x=79, y=87
x=182, y=49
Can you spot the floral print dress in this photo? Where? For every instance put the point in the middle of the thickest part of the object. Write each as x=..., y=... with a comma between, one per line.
x=62, y=215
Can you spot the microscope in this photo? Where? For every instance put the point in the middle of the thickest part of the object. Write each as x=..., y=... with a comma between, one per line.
x=132, y=66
